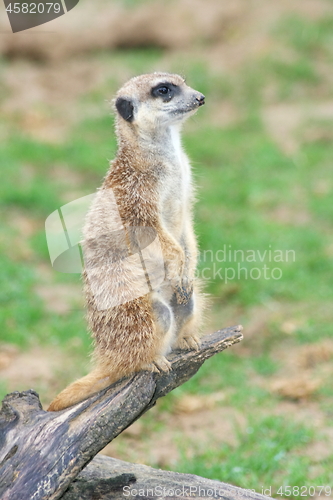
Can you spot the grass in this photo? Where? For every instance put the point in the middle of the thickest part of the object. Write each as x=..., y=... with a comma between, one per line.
x=263, y=452
x=254, y=198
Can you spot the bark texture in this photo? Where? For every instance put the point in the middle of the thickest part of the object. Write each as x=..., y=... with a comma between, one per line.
x=41, y=453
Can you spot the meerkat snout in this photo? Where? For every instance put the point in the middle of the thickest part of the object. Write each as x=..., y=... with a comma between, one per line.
x=201, y=100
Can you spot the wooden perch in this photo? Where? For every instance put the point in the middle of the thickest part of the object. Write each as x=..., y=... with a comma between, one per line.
x=105, y=478
x=41, y=453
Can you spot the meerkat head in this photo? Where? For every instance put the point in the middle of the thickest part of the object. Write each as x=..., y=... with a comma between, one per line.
x=150, y=101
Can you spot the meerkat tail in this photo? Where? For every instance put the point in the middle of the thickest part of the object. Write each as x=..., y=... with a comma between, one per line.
x=82, y=388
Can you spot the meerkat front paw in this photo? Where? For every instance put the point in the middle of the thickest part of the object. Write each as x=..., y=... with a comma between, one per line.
x=158, y=365
x=190, y=342
x=162, y=364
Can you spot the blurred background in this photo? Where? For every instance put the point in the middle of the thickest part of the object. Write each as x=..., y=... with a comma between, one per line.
x=259, y=415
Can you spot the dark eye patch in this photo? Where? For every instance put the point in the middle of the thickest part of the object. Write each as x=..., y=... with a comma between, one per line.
x=165, y=90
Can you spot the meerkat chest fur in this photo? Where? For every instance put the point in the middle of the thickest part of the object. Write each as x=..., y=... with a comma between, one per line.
x=175, y=188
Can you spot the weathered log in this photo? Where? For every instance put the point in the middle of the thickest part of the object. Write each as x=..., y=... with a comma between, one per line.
x=41, y=453
x=106, y=478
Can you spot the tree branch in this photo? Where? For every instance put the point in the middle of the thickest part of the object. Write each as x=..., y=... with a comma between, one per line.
x=41, y=453
x=105, y=478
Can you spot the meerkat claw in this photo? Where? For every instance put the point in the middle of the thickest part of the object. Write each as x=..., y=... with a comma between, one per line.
x=193, y=342
x=151, y=367
x=162, y=364
x=188, y=343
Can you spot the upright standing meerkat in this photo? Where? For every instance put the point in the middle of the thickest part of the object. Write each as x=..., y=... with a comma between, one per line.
x=144, y=205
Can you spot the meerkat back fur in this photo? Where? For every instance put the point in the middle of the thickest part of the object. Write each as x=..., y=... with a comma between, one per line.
x=147, y=195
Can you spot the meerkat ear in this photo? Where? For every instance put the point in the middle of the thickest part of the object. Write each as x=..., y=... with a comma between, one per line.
x=125, y=108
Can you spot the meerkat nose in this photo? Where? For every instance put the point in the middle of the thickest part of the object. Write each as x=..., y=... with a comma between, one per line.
x=201, y=99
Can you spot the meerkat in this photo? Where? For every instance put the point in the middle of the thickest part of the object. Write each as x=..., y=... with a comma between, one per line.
x=146, y=199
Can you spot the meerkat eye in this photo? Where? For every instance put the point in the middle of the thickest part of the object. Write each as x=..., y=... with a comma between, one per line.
x=165, y=91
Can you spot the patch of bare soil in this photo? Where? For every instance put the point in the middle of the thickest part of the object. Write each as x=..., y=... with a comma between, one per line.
x=312, y=355
x=303, y=412
x=241, y=25
x=46, y=369
x=42, y=99
x=190, y=432
x=246, y=35
x=303, y=371
x=60, y=298
x=31, y=369
x=306, y=358
x=290, y=124
x=222, y=114
x=105, y=25
x=289, y=215
x=193, y=403
x=299, y=387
